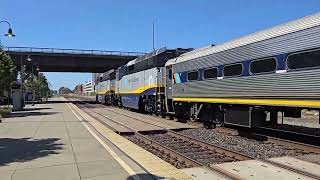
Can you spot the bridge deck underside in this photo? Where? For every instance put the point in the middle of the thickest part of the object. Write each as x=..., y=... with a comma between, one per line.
x=48, y=62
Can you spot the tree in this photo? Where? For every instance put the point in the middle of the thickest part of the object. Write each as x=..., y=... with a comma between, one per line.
x=64, y=90
x=38, y=84
x=8, y=73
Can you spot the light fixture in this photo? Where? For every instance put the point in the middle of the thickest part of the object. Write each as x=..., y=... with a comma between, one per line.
x=10, y=33
x=29, y=59
x=38, y=68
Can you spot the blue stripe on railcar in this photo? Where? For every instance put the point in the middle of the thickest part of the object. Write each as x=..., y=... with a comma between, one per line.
x=184, y=77
x=246, y=68
x=281, y=61
x=220, y=70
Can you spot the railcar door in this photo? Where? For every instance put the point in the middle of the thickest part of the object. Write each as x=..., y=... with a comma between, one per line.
x=168, y=89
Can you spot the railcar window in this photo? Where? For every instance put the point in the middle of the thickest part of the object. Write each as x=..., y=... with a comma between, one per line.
x=193, y=75
x=304, y=60
x=232, y=70
x=210, y=73
x=263, y=65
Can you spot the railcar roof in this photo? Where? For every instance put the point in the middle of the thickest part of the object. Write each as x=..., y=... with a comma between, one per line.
x=290, y=27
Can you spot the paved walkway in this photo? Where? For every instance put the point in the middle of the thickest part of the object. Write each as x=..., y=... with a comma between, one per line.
x=47, y=141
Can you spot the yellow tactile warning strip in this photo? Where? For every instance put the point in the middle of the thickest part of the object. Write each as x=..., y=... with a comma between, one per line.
x=112, y=153
x=151, y=163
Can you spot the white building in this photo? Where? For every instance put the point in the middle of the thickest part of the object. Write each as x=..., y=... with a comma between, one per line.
x=88, y=88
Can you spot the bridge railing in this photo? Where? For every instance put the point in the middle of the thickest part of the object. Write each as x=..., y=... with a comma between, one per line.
x=70, y=51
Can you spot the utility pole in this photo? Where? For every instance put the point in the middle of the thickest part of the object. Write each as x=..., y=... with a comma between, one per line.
x=22, y=71
x=33, y=89
x=153, y=41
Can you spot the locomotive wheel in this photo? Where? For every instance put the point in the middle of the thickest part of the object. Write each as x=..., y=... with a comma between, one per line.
x=209, y=125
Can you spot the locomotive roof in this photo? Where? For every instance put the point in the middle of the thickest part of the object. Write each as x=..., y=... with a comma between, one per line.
x=146, y=56
x=290, y=27
x=107, y=73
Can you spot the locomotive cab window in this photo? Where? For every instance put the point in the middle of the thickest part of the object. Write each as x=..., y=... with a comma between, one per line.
x=192, y=75
x=170, y=74
x=232, y=70
x=131, y=68
x=210, y=73
x=263, y=65
x=301, y=60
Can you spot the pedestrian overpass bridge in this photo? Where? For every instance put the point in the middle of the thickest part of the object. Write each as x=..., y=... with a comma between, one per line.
x=69, y=60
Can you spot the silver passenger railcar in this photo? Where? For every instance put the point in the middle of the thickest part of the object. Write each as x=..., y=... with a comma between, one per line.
x=240, y=81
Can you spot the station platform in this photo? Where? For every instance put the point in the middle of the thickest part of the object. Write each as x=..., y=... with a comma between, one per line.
x=58, y=141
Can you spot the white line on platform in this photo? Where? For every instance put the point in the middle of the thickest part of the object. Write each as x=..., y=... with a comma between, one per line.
x=112, y=153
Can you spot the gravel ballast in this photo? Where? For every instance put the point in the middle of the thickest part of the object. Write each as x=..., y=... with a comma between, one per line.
x=253, y=148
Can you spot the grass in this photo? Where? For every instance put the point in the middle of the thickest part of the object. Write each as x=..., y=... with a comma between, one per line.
x=4, y=110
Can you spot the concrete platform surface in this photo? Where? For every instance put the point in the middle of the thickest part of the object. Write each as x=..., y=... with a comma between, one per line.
x=253, y=169
x=47, y=141
x=200, y=173
x=301, y=165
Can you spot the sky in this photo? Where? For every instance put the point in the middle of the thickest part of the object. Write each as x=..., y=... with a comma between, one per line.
x=126, y=25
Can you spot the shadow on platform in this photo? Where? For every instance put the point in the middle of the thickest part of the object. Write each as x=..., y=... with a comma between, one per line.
x=144, y=176
x=25, y=114
x=35, y=109
x=26, y=149
x=71, y=101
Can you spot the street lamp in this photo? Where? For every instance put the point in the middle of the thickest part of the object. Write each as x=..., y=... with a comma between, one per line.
x=10, y=33
x=28, y=58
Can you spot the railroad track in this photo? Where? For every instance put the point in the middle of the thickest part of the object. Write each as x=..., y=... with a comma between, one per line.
x=170, y=154
x=185, y=151
x=269, y=139
x=290, y=135
x=254, y=135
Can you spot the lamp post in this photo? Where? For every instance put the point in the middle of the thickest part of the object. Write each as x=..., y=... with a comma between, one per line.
x=34, y=90
x=29, y=60
x=9, y=34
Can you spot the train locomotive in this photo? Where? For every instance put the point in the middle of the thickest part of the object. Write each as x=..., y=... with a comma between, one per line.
x=105, y=88
x=240, y=82
x=139, y=84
